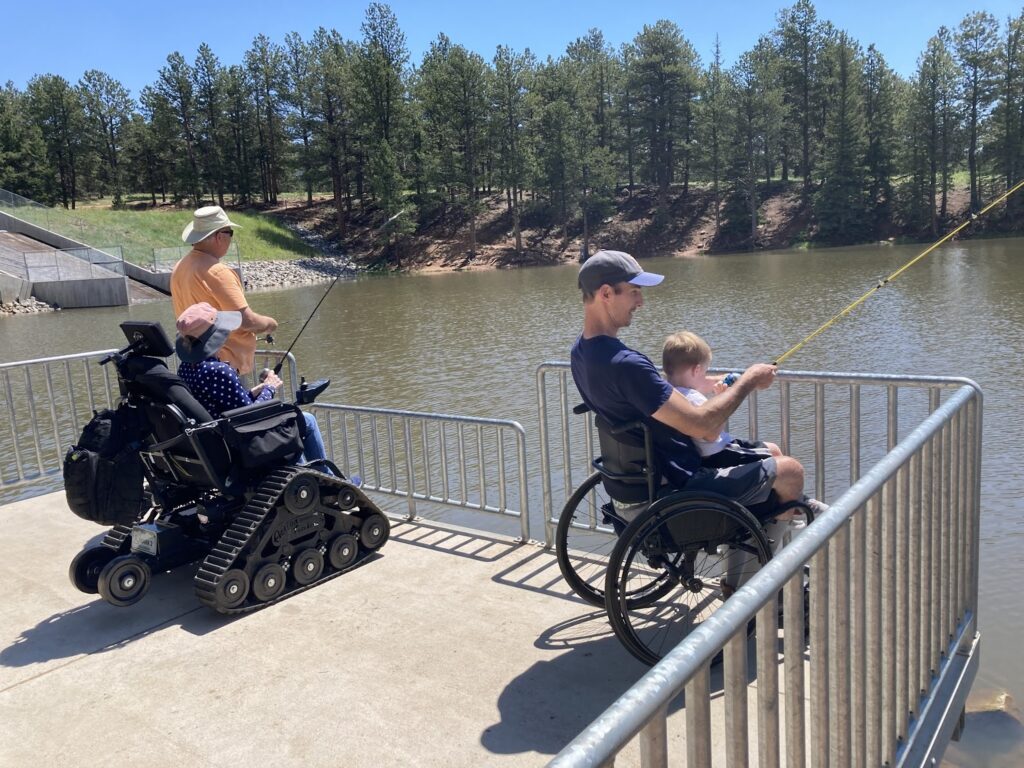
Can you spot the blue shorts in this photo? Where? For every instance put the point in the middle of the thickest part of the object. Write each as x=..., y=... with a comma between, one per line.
x=747, y=484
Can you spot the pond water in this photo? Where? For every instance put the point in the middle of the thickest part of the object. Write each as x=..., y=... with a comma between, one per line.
x=470, y=343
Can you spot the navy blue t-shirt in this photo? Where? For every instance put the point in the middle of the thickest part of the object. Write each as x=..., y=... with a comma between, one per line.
x=623, y=385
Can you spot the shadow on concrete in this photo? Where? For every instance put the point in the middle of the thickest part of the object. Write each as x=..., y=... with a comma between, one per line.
x=538, y=572
x=98, y=627
x=576, y=687
x=547, y=705
x=473, y=545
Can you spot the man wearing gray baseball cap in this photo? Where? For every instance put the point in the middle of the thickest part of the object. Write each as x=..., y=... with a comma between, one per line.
x=623, y=385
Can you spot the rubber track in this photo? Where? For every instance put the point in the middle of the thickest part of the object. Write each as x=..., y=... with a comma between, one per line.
x=117, y=537
x=246, y=526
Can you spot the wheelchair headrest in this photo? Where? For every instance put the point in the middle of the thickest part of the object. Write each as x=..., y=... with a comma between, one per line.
x=146, y=337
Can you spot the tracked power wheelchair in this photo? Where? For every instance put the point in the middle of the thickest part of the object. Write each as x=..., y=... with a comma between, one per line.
x=658, y=561
x=225, y=493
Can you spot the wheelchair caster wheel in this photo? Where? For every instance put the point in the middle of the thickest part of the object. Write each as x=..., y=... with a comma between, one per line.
x=86, y=567
x=124, y=581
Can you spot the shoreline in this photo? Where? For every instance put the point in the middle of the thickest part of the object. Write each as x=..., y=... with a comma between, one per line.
x=288, y=273
x=31, y=306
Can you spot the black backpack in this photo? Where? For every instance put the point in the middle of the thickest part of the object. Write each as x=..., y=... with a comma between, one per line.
x=103, y=478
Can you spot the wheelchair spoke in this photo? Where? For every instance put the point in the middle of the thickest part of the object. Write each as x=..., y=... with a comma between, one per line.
x=584, y=540
x=665, y=583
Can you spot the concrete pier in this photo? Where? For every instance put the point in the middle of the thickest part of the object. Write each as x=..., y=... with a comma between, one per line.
x=446, y=649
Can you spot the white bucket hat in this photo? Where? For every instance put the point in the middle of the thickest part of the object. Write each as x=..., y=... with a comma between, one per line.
x=206, y=221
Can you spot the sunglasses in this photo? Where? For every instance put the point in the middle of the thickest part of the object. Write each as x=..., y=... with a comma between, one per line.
x=228, y=232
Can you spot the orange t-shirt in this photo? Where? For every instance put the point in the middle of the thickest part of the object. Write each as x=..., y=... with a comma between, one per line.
x=200, y=277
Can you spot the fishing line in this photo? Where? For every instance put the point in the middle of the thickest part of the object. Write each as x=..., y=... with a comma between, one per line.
x=881, y=283
x=280, y=363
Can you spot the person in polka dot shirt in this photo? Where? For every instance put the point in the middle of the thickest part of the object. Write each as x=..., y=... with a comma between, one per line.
x=215, y=384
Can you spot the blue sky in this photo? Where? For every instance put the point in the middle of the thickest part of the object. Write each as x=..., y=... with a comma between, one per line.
x=131, y=40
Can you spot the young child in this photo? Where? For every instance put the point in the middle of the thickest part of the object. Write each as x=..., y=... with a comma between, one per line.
x=686, y=358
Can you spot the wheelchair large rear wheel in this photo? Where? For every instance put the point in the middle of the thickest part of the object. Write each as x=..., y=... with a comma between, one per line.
x=584, y=541
x=686, y=555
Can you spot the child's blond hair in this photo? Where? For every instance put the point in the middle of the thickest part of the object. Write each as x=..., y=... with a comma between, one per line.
x=684, y=349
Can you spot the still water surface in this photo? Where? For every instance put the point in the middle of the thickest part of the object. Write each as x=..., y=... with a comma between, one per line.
x=470, y=343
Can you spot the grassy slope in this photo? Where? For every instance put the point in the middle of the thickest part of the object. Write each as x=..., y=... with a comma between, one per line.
x=138, y=232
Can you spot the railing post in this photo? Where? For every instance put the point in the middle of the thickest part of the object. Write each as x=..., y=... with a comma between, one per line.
x=654, y=741
x=698, y=720
x=737, y=738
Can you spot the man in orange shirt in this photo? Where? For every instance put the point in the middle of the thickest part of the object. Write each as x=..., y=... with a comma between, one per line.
x=200, y=276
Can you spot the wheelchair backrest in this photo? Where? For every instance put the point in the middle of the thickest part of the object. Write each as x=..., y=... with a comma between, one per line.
x=200, y=459
x=170, y=408
x=625, y=463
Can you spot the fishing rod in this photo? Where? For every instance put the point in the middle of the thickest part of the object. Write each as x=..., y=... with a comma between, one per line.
x=280, y=363
x=881, y=283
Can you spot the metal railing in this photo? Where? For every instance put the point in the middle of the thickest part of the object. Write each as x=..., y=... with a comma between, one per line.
x=893, y=585
x=51, y=265
x=461, y=461
x=44, y=404
x=54, y=219
x=164, y=259
x=473, y=464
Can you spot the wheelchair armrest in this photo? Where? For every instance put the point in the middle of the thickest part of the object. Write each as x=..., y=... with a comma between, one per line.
x=623, y=477
x=629, y=426
x=264, y=408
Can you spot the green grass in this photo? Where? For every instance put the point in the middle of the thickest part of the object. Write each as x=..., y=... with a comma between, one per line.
x=138, y=232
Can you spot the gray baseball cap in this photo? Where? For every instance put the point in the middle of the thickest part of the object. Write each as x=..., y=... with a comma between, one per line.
x=611, y=267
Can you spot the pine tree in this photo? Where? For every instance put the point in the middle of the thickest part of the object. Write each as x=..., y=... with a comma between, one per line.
x=57, y=109
x=841, y=204
x=108, y=108
x=976, y=42
x=512, y=80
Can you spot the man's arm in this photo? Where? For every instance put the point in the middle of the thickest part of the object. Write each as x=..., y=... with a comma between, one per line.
x=228, y=292
x=706, y=422
x=252, y=321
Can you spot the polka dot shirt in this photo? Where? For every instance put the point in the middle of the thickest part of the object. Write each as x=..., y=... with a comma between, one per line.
x=217, y=387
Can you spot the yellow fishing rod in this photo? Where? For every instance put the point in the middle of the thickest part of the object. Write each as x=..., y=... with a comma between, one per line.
x=881, y=283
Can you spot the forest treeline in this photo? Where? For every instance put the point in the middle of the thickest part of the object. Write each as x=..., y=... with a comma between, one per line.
x=873, y=152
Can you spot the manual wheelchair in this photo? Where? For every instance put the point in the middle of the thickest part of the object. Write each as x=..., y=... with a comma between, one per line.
x=659, y=561
x=181, y=487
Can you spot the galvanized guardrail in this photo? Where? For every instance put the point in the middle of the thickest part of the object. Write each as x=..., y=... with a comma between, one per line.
x=44, y=404
x=461, y=461
x=46, y=266
x=893, y=641
x=164, y=259
x=475, y=464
